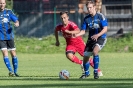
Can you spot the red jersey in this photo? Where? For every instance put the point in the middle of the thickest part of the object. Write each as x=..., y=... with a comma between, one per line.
x=71, y=27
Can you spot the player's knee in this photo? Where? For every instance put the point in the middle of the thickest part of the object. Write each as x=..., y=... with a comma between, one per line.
x=70, y=52
x=69, y=55
x=87, y=54
x=95, y=52
x=5, y=52
x=85, y=60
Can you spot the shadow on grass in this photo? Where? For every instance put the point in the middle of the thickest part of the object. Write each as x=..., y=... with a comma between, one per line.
x=53, y=78
x=71, y=85
x=85, y=83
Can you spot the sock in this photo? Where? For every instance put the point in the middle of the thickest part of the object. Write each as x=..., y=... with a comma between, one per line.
x=76, y=60
x=7, y=63
x=96, y=63
x=86, y=68
x=92, y=64
x=15, y=64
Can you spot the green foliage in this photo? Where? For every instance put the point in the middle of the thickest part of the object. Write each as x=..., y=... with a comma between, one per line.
x=47, y=44
x=122, y=44
x=9, y=4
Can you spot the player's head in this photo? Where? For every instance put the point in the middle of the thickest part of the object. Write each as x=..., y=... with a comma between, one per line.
x=2, y=5
x=91, y=7
x=64, y=17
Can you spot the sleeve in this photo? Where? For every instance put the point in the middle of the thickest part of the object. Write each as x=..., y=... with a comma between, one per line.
x=74, y=26
x=57, y=28
x=13, y=16
x=104, y=21
x=84, y=25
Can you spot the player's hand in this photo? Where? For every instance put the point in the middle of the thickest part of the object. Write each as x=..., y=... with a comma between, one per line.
x=95, y=37
x=67, y=31
x=16, y=24
x=57, y=43
x=73, y=35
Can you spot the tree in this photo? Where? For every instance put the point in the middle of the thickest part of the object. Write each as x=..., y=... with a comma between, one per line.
x=9, y=4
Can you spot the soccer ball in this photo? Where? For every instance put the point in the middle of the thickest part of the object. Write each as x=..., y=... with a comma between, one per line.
x=64, y=74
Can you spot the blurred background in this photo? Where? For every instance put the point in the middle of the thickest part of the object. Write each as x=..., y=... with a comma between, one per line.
x=38, y=18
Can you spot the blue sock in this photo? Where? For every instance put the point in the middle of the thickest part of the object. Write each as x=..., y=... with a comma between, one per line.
x=15, y=64
x=7, y=63
x=86, y=68
x=96, y=63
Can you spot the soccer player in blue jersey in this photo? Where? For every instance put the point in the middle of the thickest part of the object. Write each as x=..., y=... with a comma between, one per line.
x=7, y=37
x=97, y=25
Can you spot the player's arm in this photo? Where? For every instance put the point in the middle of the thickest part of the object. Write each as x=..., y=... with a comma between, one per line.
x=14, y=18
x=82, y=32
x=56, y=37
x=77, y=30
x=104, y=30
x=74, y=27
x=16, y=23
x=95, y=37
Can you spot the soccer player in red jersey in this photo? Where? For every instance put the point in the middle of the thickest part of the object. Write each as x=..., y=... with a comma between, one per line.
x=73, y=44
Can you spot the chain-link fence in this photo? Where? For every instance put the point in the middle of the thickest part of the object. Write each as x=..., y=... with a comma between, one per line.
x=39, y=17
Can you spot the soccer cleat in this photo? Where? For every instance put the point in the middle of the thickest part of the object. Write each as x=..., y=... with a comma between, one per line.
x=11, y=74
x=83, y=76
x=100, y=73
x=16, y=75
x=96, y=75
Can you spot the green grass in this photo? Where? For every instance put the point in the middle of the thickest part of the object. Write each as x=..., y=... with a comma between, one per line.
x=41, y=71
x=35, y=45
x=47, y=45
x=123, y=44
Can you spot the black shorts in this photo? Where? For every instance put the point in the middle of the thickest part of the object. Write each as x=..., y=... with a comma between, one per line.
x=7, y=44
x=91, y=44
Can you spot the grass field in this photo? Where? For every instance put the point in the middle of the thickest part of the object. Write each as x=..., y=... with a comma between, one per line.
x=41, y=71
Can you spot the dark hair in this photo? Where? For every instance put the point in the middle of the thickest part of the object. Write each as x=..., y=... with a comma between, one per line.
x=63, y=12
x=91, y=2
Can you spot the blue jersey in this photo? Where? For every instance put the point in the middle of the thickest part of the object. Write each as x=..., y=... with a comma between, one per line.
x=6, y=32
x=95, y=24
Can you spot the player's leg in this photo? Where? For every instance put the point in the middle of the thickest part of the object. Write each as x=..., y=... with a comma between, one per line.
x=7, y=61
x=86, y=65
x=70, y=54
x=12, y=49
x=3, y=47
x=80, y=49
x=97, y=47
x=14, y=61
x=96, y=61
x=92, y=65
